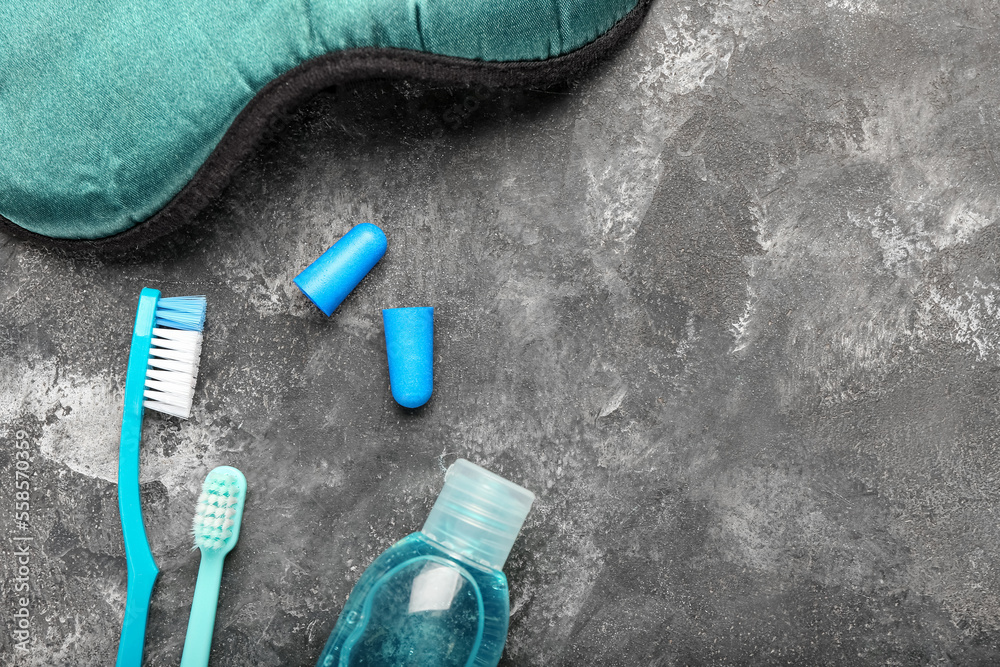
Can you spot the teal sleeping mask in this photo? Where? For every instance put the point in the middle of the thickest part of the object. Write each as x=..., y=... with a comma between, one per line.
x=123, y=117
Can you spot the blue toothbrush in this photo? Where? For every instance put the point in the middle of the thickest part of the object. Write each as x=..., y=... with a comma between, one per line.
x=162, y=369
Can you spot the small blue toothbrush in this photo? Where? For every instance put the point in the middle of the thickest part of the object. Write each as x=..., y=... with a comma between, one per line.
x=162, y=369
x=216, y=528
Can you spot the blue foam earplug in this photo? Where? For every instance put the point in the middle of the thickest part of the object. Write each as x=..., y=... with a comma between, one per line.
x=409, y=345
x=329, y=279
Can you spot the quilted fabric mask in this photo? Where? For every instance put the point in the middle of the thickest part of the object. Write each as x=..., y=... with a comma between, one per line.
x=119, y=118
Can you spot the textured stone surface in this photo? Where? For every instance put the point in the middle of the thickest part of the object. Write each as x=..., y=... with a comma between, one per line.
x=729, y=307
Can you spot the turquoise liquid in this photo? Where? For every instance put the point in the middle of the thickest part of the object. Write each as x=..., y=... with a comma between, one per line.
x=421, y=605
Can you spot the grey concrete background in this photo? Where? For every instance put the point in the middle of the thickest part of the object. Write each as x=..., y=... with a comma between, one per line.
x=729, y=307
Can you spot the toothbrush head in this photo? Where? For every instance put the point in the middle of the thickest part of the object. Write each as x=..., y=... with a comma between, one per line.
x=174, y=355
x=219, y=512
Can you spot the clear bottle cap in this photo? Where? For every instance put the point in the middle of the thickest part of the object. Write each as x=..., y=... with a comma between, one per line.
x=478, y=513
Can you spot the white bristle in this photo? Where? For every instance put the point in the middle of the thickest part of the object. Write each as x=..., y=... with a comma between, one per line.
x=176, y=334
x=186, y=355
x=169, y=365
x=177, y=398
x=174, y=356
x=177, y=345
x=164, y=376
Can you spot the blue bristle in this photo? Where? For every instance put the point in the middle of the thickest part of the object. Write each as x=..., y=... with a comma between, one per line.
x=181, y=312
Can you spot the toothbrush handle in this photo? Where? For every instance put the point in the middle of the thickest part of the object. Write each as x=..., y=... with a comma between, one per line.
x=142, y=568
x=140, y=589
x=198, y=641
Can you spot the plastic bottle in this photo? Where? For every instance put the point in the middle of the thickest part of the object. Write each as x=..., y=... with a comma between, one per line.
x=438, y=597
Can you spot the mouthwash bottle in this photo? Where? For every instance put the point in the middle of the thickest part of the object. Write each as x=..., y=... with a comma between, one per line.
x=438, y=598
